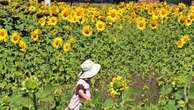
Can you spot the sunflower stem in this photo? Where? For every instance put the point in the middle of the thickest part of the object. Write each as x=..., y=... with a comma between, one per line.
x=35, y=101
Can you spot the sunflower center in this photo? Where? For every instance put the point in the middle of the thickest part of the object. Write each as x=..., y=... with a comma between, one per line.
x=2, y=34
x=66, y=46
x=87, y=31
x=189, y=21
x=113, y=15
x=180, y=9
x=57, y=43
x=163, y=13
x=15, y=38
x=53, y=20
x=153, y=24
x=182, y=21
x=78, y=13
x=35, y=37
x=141, y=24
x=100, y=26
x=65, y=14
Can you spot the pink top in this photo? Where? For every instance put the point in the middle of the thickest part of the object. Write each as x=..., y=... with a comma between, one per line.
x=75, y=100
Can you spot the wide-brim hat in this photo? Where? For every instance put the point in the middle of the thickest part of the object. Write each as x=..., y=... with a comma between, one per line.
x=89, y=69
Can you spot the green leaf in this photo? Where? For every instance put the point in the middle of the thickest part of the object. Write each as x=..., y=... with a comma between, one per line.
x=170, y=105
x=17, y=100
x=108, y=103
x=178, y=95
x=166, y=90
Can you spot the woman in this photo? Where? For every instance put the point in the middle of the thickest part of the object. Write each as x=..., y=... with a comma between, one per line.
x=88, y=70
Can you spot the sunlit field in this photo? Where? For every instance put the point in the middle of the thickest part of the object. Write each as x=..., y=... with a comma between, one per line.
x=145, y=50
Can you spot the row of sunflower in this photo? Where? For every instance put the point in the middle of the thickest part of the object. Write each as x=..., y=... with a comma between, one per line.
x=124, y=38
x=154, y=15
x=15, y=38
x=56, y=43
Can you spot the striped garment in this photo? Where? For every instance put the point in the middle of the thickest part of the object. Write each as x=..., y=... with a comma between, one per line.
x=75, y=100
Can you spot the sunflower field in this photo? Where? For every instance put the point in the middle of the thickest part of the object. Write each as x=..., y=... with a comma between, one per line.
x=145, y=50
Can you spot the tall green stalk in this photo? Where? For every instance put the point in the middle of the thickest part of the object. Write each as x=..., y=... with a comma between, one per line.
x=35, y=101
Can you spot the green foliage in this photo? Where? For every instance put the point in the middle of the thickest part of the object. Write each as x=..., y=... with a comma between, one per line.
x=44, y=76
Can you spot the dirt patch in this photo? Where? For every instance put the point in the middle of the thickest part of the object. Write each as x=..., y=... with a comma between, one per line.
x=149, y=87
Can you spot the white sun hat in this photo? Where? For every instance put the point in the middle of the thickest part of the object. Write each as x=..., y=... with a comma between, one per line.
x=47, y=2
x=89, y=69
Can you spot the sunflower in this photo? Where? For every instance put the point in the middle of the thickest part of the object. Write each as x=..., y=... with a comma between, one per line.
x=181, y=7
x=52, y=20
x=174, y=10
x=35, y=34
x=155, y=14
x=15, y=37
x=72, y=19
x=117, y=86
x=79, y=12
x=182, y=20
x=53, y=10
x=38, y=31
x=103, y=18
x=153, y=24
x=43, y=9
x=22, y=44
x=191, y=16
x=132, y=15
x=188, y=22
x=66, y=47
x=61, y=6
x=180, y=43
x=150, y=11
x=100, y=25
x=191, y=9
x=65, y=14
x=87, y=31
x=57, y=42
x=32, y=8
x=3, y=34
x=113, y=15
x=141, y=24
x=42, y=21
x=163, y=13
x=185, y=38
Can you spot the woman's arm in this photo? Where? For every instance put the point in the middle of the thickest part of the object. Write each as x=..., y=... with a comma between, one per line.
x=83, y=95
